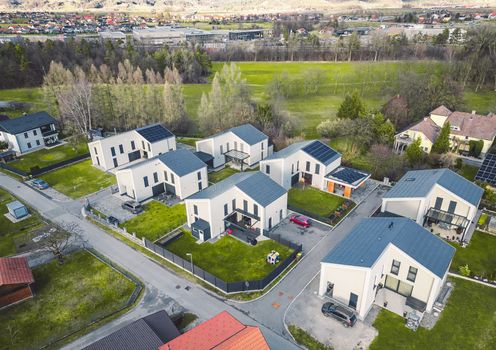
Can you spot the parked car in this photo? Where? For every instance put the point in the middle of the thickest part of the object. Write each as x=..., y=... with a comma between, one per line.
x=113, y=221
x=340, y=313
x=40, y=184
x=133, y=207
x=300, y=220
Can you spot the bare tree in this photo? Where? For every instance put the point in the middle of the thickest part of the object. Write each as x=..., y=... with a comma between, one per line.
x=64, y=236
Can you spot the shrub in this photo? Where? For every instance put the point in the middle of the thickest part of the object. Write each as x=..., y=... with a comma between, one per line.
x=464, y=270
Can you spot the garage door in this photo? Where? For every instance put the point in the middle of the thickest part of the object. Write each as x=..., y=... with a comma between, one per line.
x=295, y=178
x=170, y=189
x=157, y=189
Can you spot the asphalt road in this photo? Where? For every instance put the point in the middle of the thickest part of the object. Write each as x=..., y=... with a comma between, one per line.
x=161, y=284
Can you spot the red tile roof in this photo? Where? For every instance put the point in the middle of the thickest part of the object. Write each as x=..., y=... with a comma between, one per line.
x=220, y=332
x=15, y=271
x=473, y=125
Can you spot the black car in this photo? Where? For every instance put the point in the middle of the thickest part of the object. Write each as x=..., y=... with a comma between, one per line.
x=113, y=221
x=340, y=313
x=133, y=207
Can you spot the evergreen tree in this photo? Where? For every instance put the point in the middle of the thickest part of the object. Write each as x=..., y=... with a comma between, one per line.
x=442, y=143
x=414, y=153
x=352, y=107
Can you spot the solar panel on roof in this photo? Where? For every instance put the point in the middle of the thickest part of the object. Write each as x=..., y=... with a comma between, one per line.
x=154, y=133
x=487, y=171
x=348, y=175
x=320, y=151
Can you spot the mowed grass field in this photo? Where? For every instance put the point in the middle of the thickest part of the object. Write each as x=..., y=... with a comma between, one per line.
x=370, y=79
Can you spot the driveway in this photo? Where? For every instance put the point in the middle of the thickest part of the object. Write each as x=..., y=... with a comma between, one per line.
x=305, y=313
x=308, y=237
x=110, y=204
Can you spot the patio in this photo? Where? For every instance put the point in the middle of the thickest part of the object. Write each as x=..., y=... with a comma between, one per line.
x=236, y=158
x=395, y=302
x=447, y=225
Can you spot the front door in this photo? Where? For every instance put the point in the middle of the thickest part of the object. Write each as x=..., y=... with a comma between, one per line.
x=353, y=301
x=295, y=178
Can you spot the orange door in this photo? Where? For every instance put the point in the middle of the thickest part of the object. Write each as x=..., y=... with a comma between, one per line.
x=330, y=187
x=347, y=192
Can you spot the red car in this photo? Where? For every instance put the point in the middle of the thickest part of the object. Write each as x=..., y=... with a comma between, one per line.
x=300, y=220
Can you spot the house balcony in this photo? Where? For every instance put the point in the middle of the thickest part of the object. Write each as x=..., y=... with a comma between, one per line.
x=237, y=158
x=49, y=133
x=401, y=142
x=447, y=225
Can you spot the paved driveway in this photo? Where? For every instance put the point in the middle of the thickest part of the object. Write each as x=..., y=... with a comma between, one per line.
x=305, y=313
x=110, y=204
x=308, y=237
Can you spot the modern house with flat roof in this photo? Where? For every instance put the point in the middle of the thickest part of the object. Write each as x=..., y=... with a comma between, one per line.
x=29, y=132
x=440, y=199
x=243, y=147
x=145, y=142
x=180, y=173
x=386, y=255
x=315, y=164
x=16, y=279
x=250, y=202
x=221, y=332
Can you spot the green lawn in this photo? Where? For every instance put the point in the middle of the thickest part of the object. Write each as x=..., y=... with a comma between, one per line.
x=156, y=220
x=314, y=201
x=220, y=175
x=306, y=339
x=46, y=157
x=79, y=179
x=33, y=96
x=468, y=171
x=228, y=258
x=67, y=298
x=479, y=255
x=190, y=141
x=9, y=231
x=467, y=322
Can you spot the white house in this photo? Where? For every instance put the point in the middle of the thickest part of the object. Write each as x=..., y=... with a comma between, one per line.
x=392, y=253
x=243, y=146
x=146, y=142
x=29, y=132
x=314, y=163
x=438, y=198
x=176, y=172
x=250, y=202
x=465, y=127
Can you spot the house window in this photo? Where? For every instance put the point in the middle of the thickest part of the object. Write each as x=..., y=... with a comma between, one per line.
x=165, y=176
x=270, y=223
x=317, y=169
x=439, y=203
x=255, y=209
x=395, y=267
x=145, y=181
x=94, y=149
x=121, y=149
x=297, y=165
x=221, y=149
x=227, y=146
x=97, y=161
x=267, y=169
x=245, y=205
x=29, y=144
x=234, y=204
x=35, y=133
x=198, y=175
x=115, y=163
x=195, y=209
x=262, y=146
x=37, y=142
x=452, y=207
x=235, y=145
x=133, y=146
x=25, y=135
x=308, y=167
x=412, y=274
x=112, y=151
x=241, y=146
x=200, y=186
x=143, y=144
x=225, y=210
x=149, y=148
x=292, y=169
x=172, y=178
x=155, y=177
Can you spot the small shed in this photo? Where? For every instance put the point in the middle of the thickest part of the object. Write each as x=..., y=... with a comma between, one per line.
x=17, y=209
x=201, y=229
x=15, y=280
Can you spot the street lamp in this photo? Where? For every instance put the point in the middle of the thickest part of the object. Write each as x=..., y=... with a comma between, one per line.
x=191, y=259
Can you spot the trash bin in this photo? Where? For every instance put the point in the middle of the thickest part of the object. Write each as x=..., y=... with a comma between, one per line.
x=298, y=256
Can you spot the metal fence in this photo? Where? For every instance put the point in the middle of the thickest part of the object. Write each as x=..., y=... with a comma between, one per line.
x=229, y=287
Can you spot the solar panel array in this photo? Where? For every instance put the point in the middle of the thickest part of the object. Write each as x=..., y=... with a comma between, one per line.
x=320, y=151
x=487, y=172
x=348, y=175
x=154, y=133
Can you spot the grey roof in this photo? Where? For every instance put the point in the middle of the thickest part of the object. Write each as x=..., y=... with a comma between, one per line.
x=148, y=333
x=200, y=224
x=418, y=183
x=368, y=239
x=205, y=157
x=258, y=186
x=247, y=133
x=321, y=152
x=15, y=205
x=26, y=122
x=289, y=150
x=154, y=132
x=181, y=161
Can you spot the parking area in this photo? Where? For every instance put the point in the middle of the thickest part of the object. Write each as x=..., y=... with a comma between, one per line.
x=308, y=237
x=306, y=313
x=50, y=192
x=111, y=205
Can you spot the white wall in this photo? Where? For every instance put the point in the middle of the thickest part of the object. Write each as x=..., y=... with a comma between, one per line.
x=188, y=184
x=408, y=207
x=20, y=142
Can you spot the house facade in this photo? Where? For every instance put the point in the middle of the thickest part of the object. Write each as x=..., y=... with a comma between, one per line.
x=243, y=146
x=392, y=253
x=142, y=143
x=250, y=202
x=315, y=164
x=440, y=199
x=16, y=279
x=464, y=127
x=179, y=172
x=29, y=132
